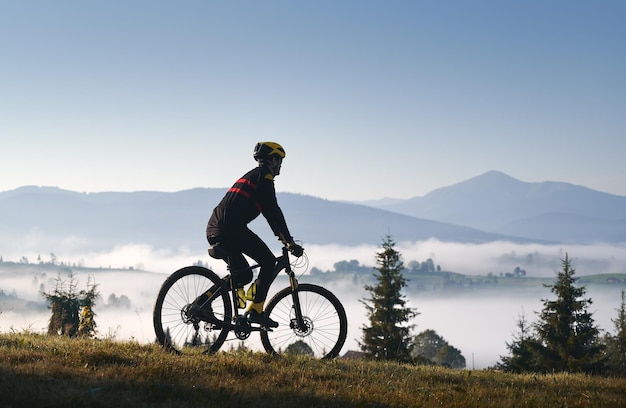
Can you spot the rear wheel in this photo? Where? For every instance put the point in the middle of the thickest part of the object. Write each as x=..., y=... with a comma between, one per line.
x=180, y=323
x=325, y=323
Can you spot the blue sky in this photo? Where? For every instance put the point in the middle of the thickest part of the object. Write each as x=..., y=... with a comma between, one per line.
x=371, y=99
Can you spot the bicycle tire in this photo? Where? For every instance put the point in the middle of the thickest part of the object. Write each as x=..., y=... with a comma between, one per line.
x=174, y=329
x=327, y=324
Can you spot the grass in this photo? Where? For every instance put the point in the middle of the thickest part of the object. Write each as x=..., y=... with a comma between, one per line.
x=45, y=371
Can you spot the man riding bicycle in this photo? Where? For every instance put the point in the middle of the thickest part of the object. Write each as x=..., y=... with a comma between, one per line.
x=227, y=230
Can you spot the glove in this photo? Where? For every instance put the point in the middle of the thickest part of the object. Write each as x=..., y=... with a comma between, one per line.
x=295, y=249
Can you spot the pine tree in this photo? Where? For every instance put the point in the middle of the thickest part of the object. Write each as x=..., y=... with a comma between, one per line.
x=616, y=344
x=521, y=358
x=567, y=338
x=388, y=336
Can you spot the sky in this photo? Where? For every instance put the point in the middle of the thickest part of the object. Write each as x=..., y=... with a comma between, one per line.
x=370, y=99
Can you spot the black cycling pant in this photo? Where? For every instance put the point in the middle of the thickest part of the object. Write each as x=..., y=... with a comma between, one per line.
x=242, y=241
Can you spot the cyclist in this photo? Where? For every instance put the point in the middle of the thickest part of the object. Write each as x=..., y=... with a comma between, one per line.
x=228, y=233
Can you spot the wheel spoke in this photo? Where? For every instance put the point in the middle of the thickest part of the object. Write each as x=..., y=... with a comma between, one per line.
x=174, y=326
x=324, y=317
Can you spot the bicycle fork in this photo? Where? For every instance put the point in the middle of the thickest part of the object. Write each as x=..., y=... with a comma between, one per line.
x=298, y=323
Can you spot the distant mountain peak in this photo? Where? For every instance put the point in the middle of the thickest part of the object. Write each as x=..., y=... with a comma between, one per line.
x=495, y=175
x=483, y=185
x=492, y=178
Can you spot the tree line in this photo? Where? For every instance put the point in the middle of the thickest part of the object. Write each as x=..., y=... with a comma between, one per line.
x=565, y=337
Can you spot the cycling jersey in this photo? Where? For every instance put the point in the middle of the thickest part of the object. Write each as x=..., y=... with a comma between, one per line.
x=251, y=195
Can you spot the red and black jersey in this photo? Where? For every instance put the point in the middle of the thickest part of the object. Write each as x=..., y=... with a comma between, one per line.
x=251, y=195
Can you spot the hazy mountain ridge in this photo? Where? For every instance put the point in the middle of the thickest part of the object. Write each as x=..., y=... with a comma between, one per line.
x=490, y=207
x=170, y=220
x=496, y=202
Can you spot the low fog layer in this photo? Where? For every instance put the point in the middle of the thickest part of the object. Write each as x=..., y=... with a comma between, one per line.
x=481, y=259
x=471, y=259
x=479, y=326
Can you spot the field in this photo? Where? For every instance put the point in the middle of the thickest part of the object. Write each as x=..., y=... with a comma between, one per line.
x=44, y=371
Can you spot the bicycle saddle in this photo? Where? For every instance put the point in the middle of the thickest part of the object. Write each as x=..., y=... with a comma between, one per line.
x=218, y=251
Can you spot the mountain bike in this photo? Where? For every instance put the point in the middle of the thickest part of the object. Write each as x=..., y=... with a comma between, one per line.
x=196, y=308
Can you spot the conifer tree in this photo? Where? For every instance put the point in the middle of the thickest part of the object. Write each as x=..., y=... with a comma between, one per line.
x=567, y=338
x=616, y=344
x=521, y=358
x=388, y=335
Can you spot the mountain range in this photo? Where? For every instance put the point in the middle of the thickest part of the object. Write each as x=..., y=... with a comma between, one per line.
x=498, y=203
x=489, y=207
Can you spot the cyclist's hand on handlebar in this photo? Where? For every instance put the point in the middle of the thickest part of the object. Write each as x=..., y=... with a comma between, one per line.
x=295, y=249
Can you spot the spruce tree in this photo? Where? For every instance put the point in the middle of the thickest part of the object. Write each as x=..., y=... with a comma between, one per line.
x=567, y=338
x=616, y=344
x=388, y=335
x=521, y=358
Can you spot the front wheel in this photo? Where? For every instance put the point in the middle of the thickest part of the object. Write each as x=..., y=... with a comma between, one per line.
x=325, y=323
x=180, y=323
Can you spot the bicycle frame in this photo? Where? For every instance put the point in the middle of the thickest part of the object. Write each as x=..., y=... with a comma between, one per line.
x=282, y=263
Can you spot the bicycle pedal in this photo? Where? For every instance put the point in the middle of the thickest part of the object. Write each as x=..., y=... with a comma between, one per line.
x=261, y=319
x=259, y=326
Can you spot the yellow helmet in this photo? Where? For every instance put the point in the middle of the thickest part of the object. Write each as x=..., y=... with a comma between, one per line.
x=265, y=150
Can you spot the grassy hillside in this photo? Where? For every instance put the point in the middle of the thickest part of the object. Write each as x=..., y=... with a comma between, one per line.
x=45, y=371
